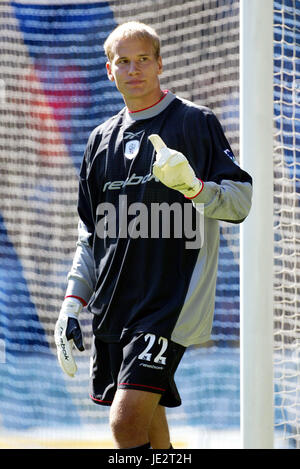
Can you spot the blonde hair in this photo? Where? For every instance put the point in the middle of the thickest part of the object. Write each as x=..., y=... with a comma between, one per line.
x=131, y=29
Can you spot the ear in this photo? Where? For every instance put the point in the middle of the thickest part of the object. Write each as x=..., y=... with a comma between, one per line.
x=109, y=72
x=160, y=65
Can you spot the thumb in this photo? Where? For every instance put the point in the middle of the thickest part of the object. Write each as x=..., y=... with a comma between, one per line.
x=162, y=151
x=157, y=142
x=73, y=331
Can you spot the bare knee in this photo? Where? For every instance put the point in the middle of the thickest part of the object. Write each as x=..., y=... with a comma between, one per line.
x=128, y=429
x=130, y=417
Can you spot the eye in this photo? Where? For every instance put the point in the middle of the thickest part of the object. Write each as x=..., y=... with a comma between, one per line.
x=122, y=61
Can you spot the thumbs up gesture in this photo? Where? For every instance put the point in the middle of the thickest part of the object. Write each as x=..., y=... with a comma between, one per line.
x=173, y=169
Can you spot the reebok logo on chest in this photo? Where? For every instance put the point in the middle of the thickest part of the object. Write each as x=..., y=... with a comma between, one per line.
x=130, y=181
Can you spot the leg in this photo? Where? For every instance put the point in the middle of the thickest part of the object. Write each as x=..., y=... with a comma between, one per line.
x=131, y=415
x=136, y=419
x=159, y=430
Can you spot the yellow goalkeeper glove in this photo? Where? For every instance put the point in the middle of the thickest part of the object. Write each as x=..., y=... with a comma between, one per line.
x=173, y=169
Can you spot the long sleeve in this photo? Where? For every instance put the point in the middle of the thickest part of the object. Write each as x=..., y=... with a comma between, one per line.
x=81, y=278
x=228, y=201
x=227, y=191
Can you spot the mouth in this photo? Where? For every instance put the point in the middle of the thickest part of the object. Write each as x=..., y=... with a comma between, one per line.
x=135, y=82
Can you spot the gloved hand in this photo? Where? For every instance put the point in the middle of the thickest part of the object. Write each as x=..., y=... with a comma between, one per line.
x=67, y=333
x=173, y=169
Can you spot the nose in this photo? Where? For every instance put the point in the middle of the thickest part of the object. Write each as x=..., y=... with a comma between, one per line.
x=133, y=68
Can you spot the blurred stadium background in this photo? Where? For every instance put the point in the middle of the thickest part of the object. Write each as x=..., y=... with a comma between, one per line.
x=53, y=92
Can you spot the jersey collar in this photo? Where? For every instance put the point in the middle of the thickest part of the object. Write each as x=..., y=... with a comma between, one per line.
x=151, y=111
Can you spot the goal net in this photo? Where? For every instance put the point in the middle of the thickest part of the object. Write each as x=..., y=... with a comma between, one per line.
x=287, y=220
x=53, y=92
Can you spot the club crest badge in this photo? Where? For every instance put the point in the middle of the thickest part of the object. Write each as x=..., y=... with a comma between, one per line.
x=132, y=143
x=131, y=149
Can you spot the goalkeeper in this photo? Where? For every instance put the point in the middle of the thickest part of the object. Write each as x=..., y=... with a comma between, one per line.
x=149, y=296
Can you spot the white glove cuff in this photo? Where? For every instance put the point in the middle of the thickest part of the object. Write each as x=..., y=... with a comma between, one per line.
x=71, y=307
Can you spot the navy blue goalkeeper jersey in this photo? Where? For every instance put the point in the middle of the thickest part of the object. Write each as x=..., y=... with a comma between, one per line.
x=143, y=275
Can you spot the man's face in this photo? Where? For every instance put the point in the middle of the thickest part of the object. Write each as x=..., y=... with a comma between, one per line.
x=135, y=69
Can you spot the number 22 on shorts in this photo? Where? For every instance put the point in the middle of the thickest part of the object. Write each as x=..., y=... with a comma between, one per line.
x=146, y=354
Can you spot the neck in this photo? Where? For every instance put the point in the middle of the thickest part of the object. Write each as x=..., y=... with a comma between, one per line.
x=142, y=103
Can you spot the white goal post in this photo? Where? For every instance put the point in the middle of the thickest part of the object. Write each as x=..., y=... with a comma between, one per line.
x=256, y=268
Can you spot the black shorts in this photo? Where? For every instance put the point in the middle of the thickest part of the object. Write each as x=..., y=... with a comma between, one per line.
x=145, y=363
